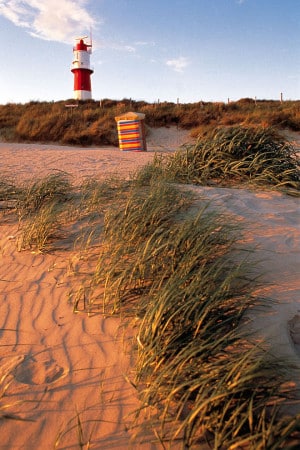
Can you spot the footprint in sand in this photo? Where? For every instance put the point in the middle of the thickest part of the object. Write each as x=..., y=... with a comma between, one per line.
x=294, y=329
x=38, y=369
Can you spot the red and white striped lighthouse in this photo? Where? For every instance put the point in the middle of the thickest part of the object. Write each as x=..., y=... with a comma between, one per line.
x=82, y=70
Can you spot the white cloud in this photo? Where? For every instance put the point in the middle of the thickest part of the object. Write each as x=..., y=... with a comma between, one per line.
x=55, y=20
x=122, y=46
x=129, y=48
x=178, y=64
x=145, y=43
x=117, y=46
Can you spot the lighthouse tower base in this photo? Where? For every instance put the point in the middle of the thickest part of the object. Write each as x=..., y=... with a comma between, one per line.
x=82, y=95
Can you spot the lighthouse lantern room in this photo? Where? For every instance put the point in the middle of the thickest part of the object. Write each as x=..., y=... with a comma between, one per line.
x=82, y=70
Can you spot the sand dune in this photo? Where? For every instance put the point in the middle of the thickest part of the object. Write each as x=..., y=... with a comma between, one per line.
x=60, y=369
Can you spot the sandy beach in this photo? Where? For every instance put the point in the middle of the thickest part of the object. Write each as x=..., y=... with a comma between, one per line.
x=19, y=162
x=62, y=372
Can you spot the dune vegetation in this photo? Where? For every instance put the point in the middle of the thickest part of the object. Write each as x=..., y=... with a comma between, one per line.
x=233, y=156
x=184, y=280
x=92, y=122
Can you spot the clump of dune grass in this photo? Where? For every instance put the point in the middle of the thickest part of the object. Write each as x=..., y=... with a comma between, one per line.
x=97, y=195
x=55, y=187
x=195, y=365
x=48, y=207
x=189, y=286
x=128, y=224
x=40, y=228
x=218, y=389
x=237, y=155
x=39, y=205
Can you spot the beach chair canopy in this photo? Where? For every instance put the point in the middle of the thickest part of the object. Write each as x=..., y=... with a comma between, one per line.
x=130, y=116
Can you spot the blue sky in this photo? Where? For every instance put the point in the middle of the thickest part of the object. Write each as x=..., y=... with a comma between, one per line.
x=193, y=50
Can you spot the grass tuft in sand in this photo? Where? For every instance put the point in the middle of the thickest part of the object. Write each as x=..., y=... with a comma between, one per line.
x=255, y=157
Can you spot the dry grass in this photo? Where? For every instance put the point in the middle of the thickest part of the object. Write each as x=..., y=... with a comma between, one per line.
x=190, y=286
x=234, y=156
x=47, y=208
x=92, y=123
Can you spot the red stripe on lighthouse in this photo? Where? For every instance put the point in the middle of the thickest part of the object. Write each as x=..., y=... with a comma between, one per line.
x=82, y=80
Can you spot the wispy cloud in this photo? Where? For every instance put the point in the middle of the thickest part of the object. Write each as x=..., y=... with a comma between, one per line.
x=122, y=46
x=178, y=64
x=131, y=48
x=145, y=43
x=56, y=20
x=117, y=46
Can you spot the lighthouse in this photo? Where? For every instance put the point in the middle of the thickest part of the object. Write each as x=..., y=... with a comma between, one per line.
x=82, y=70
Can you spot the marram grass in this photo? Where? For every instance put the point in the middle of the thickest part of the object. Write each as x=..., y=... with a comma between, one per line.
x=190, y=286
x=232, y=156
x=39, y=205
x=55, y=187
x=147, y=212
x=40, y=228
x=45, y=207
